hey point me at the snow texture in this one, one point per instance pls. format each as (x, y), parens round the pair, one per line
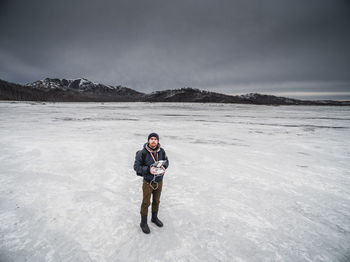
(245, 182)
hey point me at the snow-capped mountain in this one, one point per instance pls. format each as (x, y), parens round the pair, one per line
(83, 90)
(64, 84)
(82, 85)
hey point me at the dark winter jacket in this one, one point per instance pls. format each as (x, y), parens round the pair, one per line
(143, 161)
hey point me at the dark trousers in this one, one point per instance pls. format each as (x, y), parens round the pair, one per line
(147, 192)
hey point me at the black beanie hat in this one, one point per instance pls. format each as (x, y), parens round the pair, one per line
(153, 134)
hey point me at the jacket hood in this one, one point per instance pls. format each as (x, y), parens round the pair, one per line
(150, 149)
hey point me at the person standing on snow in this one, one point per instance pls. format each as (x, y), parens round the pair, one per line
(152, 182)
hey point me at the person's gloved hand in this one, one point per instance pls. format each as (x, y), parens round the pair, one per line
(152, 170)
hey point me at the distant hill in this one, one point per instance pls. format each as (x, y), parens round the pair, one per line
(83, 90)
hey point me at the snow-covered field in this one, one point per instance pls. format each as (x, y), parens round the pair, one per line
(244, 183)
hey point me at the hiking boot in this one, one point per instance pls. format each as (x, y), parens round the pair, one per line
(155, 219)
(144, 225)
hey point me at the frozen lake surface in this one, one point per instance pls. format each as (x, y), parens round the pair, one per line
(244, 183)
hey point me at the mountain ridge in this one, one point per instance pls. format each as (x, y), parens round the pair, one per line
(84, 90)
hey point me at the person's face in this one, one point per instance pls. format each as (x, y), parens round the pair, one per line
(153, 141)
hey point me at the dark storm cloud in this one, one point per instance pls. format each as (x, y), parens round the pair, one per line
(226, 46)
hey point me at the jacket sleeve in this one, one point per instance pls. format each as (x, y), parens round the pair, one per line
(139, 166)
(167, 162)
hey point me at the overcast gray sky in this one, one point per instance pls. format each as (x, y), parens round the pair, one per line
(293, 48)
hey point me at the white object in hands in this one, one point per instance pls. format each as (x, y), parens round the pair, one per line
(158, 167)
